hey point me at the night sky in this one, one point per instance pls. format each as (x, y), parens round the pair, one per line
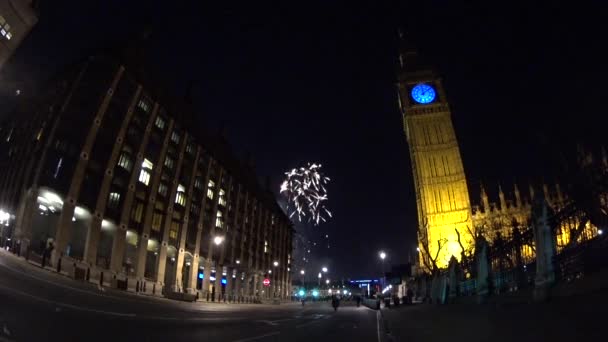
(315, 82)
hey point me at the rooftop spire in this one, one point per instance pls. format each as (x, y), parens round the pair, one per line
(501, 196)
(410, 61)
(517, 195)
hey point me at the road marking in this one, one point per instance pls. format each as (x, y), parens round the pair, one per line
(378, 324)
(257, 337)
(65, 305)
(275, 322)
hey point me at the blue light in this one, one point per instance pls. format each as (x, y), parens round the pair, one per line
(315, 293)
(224, 281)
(201, 276)
(423, 93)
(301, 293)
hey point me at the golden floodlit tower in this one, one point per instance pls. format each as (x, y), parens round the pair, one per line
(442, 197)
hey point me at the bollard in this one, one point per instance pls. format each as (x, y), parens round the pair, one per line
(154, 288)
(59, 265)
(144, 285)
(137, 287)
(88, 276)
(100, 278)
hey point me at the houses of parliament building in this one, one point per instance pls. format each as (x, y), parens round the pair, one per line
(447, 218)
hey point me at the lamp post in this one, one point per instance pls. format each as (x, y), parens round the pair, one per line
(319, 276)
(302, 277)
(382, 257)
(274, 278)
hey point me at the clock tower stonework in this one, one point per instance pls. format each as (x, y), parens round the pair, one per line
(442, 196)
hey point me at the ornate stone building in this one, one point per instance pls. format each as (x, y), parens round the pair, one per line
(122, 182)
(442, 196)
(17, 18)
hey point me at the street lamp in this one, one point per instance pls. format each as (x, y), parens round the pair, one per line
(276, 263)
(319, 276)
(324, 269)
(218, 240)
(382, 256)
(302, 272)
(327, 281)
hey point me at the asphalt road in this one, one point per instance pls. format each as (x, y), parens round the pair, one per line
(38, 305)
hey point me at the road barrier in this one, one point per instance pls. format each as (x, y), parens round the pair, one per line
(372, 303)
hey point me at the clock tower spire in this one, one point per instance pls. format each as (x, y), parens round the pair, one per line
(442, 196)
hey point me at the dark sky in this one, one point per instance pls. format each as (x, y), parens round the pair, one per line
(314, 81)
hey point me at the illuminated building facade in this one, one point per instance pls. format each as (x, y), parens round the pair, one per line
(514, 210)
(442, 196)
(121, 181)
(17, 18)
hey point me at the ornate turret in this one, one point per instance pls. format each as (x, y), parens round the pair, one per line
(560, 196)
(501, 196)
(485, 203)
(517, 195)
(531, 190)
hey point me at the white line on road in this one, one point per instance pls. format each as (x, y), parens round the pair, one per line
(257, 337)
(378, 324)
(65, 305)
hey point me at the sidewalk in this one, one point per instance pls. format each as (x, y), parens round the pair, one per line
(65, 278)
(563, 319)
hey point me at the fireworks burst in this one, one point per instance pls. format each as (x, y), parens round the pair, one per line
(305, 190)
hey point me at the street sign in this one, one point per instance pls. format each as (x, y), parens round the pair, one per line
(266, 282)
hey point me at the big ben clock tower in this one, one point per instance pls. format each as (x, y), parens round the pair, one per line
(442, 197)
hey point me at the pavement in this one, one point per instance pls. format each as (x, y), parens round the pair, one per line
(36, 304)
(576, 318)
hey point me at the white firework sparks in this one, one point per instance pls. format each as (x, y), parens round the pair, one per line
(305, 190)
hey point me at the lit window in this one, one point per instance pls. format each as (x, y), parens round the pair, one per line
(218, 219)
(113, 200)
(144, 104)
(222, 199)
(125, 162)
(175, 137)
(144, 177)
(162, 189)
(210, 189)
(180, 197)
(157, 220)
(5, 28)
(174, 229)
(160, 122)
(169, 162)
(147, 164)
(137, 212)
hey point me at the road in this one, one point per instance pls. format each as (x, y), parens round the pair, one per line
(36, 304)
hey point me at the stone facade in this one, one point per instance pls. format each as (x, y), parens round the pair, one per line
(120, 181)
(442, 196)
(17, 18)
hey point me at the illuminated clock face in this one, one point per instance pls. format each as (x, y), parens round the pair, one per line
(423, 93)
